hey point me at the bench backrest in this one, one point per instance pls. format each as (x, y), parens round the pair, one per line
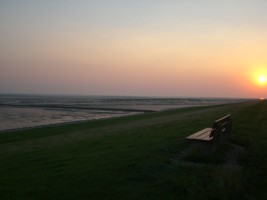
(222, 127)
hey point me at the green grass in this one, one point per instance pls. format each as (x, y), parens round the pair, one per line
(132, 158)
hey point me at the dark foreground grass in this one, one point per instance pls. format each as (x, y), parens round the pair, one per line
(134, 158)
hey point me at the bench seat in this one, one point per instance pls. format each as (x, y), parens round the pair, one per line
(204, 134)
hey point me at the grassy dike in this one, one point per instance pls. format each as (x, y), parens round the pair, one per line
(134, 158)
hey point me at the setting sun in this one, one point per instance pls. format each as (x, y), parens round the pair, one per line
(262, 79)
(260, 76)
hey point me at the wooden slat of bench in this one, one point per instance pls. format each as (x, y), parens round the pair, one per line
(201, 135)
(198, 133)
(205, 136)
(225, 118)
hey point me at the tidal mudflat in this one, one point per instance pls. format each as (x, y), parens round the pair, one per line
(25, 111)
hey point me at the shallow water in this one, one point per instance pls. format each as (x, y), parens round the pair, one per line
(22, 117)
(30, 111)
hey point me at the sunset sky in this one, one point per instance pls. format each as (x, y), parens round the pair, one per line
(171, 48)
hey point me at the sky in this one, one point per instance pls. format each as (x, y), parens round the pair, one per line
(169, 48)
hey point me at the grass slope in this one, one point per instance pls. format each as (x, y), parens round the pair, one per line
(132, 158)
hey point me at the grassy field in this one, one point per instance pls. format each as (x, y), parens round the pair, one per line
(135, 158)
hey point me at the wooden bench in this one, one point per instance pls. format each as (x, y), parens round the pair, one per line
(211, 138)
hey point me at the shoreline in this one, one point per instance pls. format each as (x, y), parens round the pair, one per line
(76, 107)
(134, 112)
(63, 123)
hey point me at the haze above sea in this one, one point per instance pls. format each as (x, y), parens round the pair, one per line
(27, 111)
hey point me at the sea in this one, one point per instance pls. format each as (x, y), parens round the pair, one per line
(27, 111)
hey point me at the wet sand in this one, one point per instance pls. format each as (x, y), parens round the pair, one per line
(26, 117)
(17, 112)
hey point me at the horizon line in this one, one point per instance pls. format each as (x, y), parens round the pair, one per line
(126, 96)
